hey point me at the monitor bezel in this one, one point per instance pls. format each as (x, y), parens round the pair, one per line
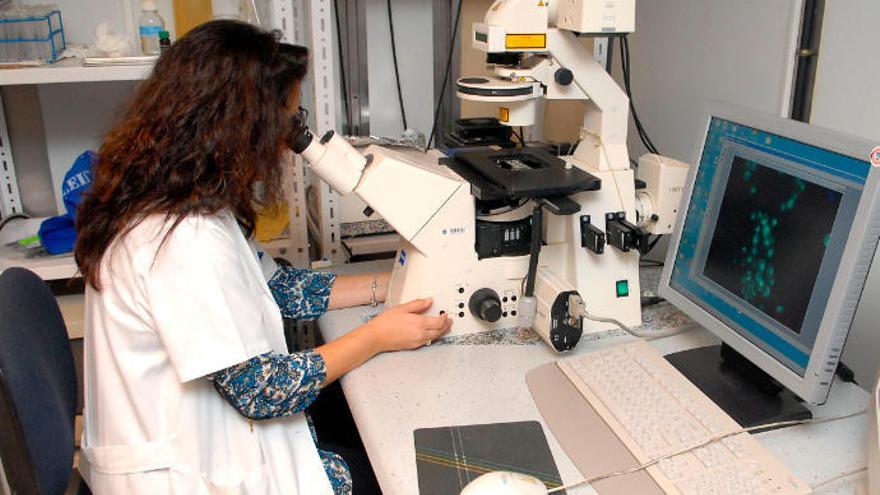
(850, 278)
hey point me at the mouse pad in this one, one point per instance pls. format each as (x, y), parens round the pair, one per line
(450, 457)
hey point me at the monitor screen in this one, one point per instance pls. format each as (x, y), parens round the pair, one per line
(770, 239)
(766, 226)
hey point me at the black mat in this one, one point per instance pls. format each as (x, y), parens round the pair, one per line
(448, 458)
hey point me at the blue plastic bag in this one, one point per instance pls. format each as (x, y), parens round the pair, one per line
(58, 234)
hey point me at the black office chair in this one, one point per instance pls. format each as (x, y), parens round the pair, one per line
(37, 387)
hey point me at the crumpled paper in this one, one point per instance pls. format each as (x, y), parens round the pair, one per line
(110, 44)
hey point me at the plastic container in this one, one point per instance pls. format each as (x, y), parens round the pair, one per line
(31, 33)
(150, 26)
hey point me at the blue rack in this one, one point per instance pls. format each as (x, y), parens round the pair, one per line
(45, 41)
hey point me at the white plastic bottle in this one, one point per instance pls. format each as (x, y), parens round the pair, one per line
(150, 27)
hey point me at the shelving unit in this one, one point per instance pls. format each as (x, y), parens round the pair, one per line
(290, 16)
(73, 71)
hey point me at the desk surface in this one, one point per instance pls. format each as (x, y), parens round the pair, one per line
(460, 381)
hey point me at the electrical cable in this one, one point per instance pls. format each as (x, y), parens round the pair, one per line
(520, 136)
(632, 331)
(653, 244)
(715, 439)
(396, 68)
(10, 218)
(535, 250)
(625, 65)
(839, 477)
(342, 67)
(651, 264)
(446, 75)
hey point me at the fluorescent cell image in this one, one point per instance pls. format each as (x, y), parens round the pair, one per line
(759, 251)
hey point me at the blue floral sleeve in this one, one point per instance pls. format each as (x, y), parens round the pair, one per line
(337, 470)
(273, 385)
(301, 294)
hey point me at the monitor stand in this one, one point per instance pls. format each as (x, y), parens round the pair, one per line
(745, 392)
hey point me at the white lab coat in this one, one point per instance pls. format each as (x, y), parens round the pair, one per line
(152, 423)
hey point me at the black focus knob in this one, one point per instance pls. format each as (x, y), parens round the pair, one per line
(485, 305)
(563, 76)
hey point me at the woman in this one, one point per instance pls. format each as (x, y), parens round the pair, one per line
(189, 386)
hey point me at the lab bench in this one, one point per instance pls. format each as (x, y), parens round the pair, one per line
(480, 379)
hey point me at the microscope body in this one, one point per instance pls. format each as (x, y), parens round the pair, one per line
(433, 210)
(474, 261)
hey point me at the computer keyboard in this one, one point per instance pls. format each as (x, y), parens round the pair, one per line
(656, 411)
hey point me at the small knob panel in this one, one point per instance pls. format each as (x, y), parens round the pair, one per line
(485, 305)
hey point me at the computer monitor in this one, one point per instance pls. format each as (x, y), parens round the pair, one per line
(778, 228)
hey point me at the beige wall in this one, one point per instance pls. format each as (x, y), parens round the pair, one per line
(562, 119)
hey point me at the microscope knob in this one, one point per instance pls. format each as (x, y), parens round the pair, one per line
(485, 305)
(563, 76)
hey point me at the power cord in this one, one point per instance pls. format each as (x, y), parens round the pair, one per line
(396, 68)
(839, 477)
(342, 66)
(624, 62)
(715, 439)
(446, 74)
(521, 136)
(632, 331)
(15, 216)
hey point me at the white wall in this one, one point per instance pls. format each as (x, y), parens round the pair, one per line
(686, 53)
(413, 32)
(847, 98)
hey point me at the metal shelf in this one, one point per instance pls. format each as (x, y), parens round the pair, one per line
(49, 268)
(72, 71)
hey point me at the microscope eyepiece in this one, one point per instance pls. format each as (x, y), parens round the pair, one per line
(301, 141)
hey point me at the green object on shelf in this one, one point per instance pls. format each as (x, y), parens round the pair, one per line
(29, 241)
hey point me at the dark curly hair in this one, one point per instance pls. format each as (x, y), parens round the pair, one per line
(208, 125)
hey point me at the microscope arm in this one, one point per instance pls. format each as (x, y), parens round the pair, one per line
(408, 194)
(603, 136)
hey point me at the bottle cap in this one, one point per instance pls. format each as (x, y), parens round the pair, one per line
(164, 35)
(149, 5)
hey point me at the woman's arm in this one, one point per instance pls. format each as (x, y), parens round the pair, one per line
(306, 295)
(273, 385)
(357, 290)
(301, 294)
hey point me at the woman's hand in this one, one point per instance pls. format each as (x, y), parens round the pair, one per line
(398, 328)
(405, 327)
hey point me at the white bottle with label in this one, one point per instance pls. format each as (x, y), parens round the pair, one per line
(150, 27)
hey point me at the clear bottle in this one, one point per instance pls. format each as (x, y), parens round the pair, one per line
(150, 27)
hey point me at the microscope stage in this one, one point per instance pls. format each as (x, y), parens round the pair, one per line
(520, 173)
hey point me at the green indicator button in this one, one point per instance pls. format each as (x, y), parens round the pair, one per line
(622, 288)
